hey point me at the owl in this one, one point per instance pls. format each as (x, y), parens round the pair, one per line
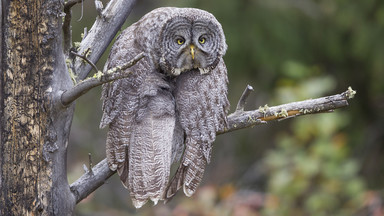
(170, 107)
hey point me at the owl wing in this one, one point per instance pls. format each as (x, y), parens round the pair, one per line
(140, 113)
(202, 105)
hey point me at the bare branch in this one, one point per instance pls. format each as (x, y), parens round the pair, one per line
(82, 11)
(67, 32)
(88, 183)
(243, 98)
(90, 164)
(84, 57)
(100, 78)
(238, 120)
(99, 7)
(102, 32)
(85, 32)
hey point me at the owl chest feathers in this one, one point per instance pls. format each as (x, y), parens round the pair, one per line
(159, 93)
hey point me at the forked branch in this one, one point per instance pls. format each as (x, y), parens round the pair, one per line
(102, 32)
(244, 119)
(87, 183)
(91, 180)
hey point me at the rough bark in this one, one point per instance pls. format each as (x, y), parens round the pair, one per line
(34, 127)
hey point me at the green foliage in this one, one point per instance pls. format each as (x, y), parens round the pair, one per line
(311, 173)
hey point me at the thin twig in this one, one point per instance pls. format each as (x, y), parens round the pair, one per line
(85, 185)
(130, 63)
(102, 33)
(67, 32)
(90, 164)
(84, 57)
(100, 78)
(99, 8)
(85, 168)
(85, 32)
(70, 3)
(243, 98)
(82, 10)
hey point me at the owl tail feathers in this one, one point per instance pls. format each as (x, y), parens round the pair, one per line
(123, 171)
(188, 177)
(138, 201)
(175, 184)
(193, 176)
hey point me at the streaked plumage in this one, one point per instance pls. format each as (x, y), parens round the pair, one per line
(173, 103)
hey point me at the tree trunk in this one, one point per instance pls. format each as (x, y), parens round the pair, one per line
(34, 125)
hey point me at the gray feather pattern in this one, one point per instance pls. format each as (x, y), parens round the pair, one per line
(202, 113)
(167, 108)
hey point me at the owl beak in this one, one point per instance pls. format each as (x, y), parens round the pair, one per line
(192, 47)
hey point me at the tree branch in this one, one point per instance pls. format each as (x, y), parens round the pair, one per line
(244, 119)
(89, 182)
(67, 32)
(84, 57)
(240, 119)
(102, 32)
(243, 98)
(100, 78)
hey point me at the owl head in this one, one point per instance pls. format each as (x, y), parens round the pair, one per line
(191, 39)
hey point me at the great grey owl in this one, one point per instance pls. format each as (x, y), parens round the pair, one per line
(172, 105)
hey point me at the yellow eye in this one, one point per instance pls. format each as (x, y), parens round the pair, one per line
(202, 40)
(180, 41)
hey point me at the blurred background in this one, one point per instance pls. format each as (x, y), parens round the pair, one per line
(288, 50)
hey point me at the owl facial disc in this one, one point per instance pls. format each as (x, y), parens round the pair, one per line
(187, 44)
